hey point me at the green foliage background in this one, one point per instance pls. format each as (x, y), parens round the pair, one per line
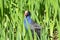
(44, 12)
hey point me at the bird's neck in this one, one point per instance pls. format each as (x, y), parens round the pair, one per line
(29, 19)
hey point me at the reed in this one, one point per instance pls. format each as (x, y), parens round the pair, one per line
(44, 12)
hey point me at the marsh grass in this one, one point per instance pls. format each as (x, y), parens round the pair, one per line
(44, 12)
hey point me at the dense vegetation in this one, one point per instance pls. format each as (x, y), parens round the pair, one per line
(44, 12)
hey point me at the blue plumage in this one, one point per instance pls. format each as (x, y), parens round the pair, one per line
(27, 19)
(33, 25)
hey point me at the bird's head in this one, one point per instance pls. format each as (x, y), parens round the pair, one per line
(27, 13)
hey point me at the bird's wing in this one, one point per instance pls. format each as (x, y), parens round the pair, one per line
(35, 26)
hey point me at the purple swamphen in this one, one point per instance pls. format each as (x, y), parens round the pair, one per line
(33, 25)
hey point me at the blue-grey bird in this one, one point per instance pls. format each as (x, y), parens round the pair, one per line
(33, 25)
